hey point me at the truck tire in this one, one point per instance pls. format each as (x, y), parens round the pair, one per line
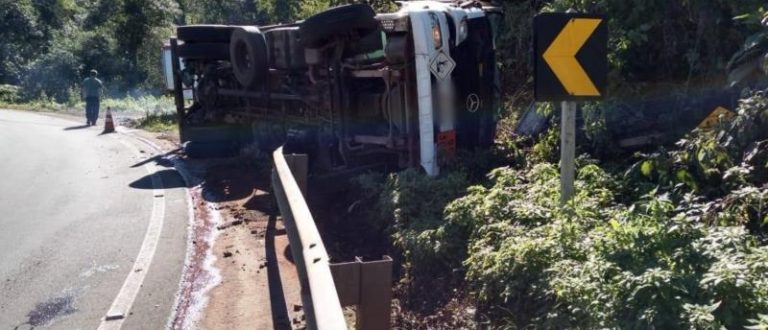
(318, 29)
(202, 150)
(204, 51)
(248, 54)
(204, 33)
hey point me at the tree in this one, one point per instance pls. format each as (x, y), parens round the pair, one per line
(21, 38)
(136, 27)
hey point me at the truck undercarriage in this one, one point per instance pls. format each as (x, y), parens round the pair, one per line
(347, 86)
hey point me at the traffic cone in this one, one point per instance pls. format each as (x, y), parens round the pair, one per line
(109, 125)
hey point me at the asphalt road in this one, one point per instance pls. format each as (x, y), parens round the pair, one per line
(75, 208)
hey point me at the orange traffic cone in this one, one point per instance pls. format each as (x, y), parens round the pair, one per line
(109, 125)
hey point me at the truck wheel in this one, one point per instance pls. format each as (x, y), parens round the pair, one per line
(248, 52)
(204, 51)
(316, 30)
(204, 33)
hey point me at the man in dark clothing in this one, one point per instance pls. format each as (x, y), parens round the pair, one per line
(92, 92)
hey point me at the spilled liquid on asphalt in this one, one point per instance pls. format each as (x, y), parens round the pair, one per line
(47, 311)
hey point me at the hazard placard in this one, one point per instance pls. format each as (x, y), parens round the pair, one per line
(442, 65)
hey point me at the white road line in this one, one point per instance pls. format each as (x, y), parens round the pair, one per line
(122, 304)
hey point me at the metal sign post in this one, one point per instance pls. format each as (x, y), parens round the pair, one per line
(567, 151)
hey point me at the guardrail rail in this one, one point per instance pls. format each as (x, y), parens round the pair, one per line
(326, 288)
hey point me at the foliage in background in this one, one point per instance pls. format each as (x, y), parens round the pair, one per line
(655, 47)
(50, 45)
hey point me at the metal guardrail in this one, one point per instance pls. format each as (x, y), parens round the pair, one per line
(318, 292)
(326, 287)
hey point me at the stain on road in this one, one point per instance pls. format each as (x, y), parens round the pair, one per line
(45, 312)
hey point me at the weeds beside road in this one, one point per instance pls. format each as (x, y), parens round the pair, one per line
(150, 113)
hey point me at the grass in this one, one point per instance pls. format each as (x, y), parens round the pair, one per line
(158, 122)
(159, 112)
(142, 104)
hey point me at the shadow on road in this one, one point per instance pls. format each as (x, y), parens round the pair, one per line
(159, 159)
(280, 319)
(72, 128)
(170, 178)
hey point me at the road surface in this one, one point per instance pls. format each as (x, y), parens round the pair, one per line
(77, 210)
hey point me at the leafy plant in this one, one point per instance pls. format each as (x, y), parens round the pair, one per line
(727, 165)
(9, 93)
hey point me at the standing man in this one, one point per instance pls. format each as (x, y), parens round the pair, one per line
(92, 91)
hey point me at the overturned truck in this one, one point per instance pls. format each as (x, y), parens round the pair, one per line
(349, 87)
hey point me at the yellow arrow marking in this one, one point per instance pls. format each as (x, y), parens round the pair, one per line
(561, 56)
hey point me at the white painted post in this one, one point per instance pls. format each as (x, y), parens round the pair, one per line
(567, 151)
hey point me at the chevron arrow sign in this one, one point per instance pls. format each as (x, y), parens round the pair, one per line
(570, 57)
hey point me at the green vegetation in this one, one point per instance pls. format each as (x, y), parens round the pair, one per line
(158, 122)
(676, 241)
(143, 104)
(49, 46)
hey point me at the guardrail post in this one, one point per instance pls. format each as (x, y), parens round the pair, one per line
(367, 284)
(373, 312)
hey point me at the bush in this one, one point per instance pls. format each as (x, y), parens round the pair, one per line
(407, 209)
(417, 201)
(728, 165)
(9, 93)
(676, 241)
(598, 264)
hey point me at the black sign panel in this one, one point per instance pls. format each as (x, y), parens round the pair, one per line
(570, 57)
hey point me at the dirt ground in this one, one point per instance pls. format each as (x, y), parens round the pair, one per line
(259, 285)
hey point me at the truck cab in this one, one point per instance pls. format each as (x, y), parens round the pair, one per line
(347, 86)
